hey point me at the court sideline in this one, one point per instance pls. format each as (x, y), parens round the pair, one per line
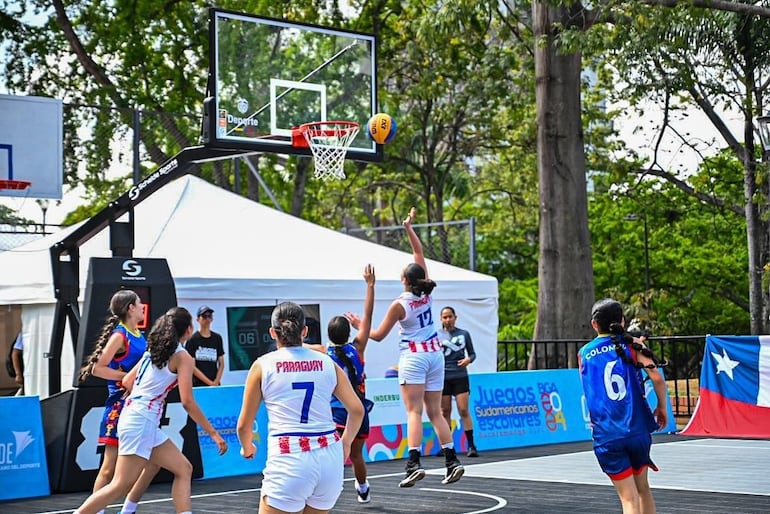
(698, 475)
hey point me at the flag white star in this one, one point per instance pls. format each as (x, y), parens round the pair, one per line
(724, 363)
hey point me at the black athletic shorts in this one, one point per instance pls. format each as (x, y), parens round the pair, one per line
(455, 386)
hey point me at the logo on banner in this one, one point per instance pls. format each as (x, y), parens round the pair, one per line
(132, 270)
(507, 410)
(12, 448)
(550, 401)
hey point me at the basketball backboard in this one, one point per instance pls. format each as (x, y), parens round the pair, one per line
(268, 75)
(31, 145)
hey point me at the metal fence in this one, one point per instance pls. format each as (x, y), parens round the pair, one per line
(684, 355)
(452, 242)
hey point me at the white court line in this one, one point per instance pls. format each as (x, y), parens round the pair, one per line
(501, 502)
(718, 467)
(370, 477)
(161, 500)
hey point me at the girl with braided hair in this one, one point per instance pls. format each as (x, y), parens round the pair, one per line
(305, 454)
(622, 423)
(118, 348)
(350, 357)
(164, 365)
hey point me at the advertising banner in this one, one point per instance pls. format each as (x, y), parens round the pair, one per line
(23, 468)
(222, 406)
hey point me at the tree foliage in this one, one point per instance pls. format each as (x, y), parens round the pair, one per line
(459, 77)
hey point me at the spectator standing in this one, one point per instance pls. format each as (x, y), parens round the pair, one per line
(208, 350)
(458, 353)
(17, 359)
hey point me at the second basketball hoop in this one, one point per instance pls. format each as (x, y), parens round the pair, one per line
(329, 142)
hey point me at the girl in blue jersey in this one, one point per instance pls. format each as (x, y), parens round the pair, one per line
(163, 366)
(350, 357)
(118, 348)
(611, 373)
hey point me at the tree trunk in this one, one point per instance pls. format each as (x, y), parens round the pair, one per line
(565, 273)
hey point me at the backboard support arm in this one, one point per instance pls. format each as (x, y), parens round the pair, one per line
(65, 254)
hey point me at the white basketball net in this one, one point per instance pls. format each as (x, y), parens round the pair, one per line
(329, 142)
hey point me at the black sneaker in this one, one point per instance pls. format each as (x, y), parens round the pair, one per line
(440, 453)
(472, 452)
(454, 470)
(364, 497)
(414, 471)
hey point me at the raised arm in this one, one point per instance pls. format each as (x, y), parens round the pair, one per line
(414, 241)
(395, 313)
(364, 325)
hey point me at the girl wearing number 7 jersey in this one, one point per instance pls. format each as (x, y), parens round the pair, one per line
(305, 453)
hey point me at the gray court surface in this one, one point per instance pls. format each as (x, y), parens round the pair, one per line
(697, 475)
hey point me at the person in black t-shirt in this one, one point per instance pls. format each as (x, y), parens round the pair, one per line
(458, 353)
(207, 349)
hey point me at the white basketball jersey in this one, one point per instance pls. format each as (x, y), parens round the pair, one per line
(416, 329)
(151, 387)
(297, 387)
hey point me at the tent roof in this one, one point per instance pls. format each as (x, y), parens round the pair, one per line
(210, 235)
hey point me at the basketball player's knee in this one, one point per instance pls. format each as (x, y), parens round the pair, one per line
(107, 471)
(184, 470)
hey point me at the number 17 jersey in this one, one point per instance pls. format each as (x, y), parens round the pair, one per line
(297, 387)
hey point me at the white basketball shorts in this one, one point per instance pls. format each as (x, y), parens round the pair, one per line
(313, 478)
(422, 368)
(138, 435)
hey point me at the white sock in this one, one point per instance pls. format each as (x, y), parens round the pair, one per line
(129, 506)
(100, 512)
(362, 488)
(186, 512)
(451, 446)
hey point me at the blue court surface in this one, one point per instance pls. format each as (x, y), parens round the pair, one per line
(697, 475)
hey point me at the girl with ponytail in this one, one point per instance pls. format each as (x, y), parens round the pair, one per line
(350, 357)
(421, 362)
(611, 373)
(306, 455)
(118, 348)
(164, 365)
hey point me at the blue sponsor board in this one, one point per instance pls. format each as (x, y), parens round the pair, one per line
(221, 405)
(527, 408)
(23, 467)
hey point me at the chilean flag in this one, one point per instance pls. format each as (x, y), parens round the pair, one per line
(734, 388)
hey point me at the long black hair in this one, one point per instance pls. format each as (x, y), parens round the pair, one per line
(608, 314)
(415, 279)
(338, 330)
(119, 304)
(165, 334)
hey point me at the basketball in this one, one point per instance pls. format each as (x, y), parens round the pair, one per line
(381, 128)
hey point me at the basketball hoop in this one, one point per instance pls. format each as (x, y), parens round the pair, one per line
(15, 185)
(329, 142)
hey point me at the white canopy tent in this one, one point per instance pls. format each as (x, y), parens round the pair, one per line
(227, 251)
